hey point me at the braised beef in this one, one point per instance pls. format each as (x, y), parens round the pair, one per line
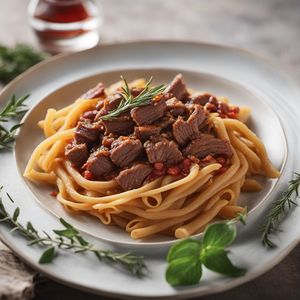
(176, 107)
(87, 132)
(149, 113)
(99, 163)
(125, 150)
(183, 131)
(135, 91)
(95, 92)
(178, 88)
(122, 125)
(163, 150)
(165, 123)
(145, 132)
(133, 177)
(90, 115)
(77, 154)
(207, 144)
(109, 104)
(202, 99)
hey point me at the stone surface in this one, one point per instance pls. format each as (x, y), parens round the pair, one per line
(268, 27)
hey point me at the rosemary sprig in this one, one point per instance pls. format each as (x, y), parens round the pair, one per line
(68, 239)
(286, 201)
(14, 61)
(15, 107)
(128, 101)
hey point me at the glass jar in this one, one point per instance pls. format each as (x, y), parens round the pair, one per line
(65, 25)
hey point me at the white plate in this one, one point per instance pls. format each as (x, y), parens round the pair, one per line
(241, 76)
(31, 135)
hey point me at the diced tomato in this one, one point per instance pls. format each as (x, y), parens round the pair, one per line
(87, 175)
(173, 171)
(53, 194)
(232, 115)
(159, 166)
(221, 160)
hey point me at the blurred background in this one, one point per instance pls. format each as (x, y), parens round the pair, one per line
(267, 27)
(270, 28)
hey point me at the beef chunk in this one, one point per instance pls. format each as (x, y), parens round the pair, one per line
(122, 125)
(149, 113)
(176, 107)
(178, 88)
(162, 150)
(207, 144)
(125, 150)
(202, 99)
(133, 177)
(183, 131)
(109, 104)
(146, 132)
(87, 132)
(77, 154)
(99, 163)
(95, 92)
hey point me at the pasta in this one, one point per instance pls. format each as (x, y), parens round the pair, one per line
(180, 204)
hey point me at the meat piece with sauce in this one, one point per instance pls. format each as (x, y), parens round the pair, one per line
(176, 107)
(87, 132)
(95, 92)
(177, 88)
(99, 163)
(122, 125)
(77, 154)
(146, 132)
(149, 113)
(207, 144)
(183, 131)
(162, 150)
(134, 176)
(125, 150)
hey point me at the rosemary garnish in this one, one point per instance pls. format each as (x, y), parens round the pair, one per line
(68, 239)
(128, 101)
(14, 61)
(286, 201)
(14, 108)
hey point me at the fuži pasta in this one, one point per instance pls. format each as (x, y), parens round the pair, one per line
(151, 160)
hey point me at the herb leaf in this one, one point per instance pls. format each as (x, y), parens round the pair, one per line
(186, 257)
(184, 271)
(14, 61)
(128, 101)
(216, 259)
(47, 256)
(280, 206)
(219, 235)
(69, 239)
(188, 247)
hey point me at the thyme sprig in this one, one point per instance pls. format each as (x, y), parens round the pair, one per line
(68, 239)
(15, 107)
(280, 206)
(129, 101)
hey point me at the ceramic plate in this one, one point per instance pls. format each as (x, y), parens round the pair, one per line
(244, 78)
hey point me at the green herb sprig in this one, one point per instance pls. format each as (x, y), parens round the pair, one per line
(280, 206)
(185, 258)
(68, 239)
(14, 61)
(128, 101)
(15, 107)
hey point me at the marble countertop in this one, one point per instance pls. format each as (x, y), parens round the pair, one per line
(270, 28)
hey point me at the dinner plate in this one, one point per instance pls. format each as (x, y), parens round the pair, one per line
(243, 77)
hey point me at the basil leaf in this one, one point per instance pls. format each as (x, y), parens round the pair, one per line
(47, 256)
(184, 271)
(216, 259)
(219, 235)
(184, 248)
